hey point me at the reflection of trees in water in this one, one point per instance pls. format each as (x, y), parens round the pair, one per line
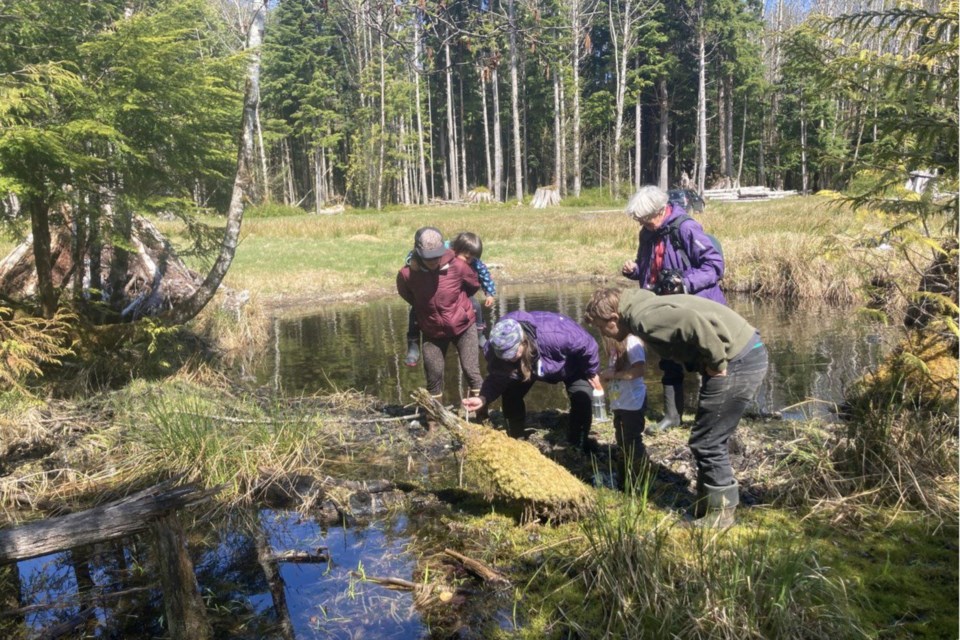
(815, 350)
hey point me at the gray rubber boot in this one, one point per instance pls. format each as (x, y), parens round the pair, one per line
(672, 409)
(721, 506)
(413, 352)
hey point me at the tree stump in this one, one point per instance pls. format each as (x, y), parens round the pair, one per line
(478, 195)
(546, 197)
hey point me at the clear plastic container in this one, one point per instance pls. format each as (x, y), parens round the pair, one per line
(599, 406)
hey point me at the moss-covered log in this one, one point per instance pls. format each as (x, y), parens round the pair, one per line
(513, 470)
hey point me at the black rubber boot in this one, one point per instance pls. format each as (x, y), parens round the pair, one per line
(413, 352)
(721, 505)
(517, 428)
(672, 409)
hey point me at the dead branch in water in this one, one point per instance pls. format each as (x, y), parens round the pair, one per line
(107, 522)
(477, 568)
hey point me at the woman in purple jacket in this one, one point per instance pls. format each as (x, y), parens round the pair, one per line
(674, 256)
(540, 345)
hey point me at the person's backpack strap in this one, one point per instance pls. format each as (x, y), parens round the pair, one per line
(673, 229)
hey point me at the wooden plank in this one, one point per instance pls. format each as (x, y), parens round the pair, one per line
(117, 519)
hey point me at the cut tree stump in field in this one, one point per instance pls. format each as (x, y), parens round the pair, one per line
(546, 197)
(479, 195)
(117, 519)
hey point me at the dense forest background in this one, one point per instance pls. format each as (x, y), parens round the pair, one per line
(371, 104)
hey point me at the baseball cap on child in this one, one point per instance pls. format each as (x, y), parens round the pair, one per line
(505, 338)
(429, 243)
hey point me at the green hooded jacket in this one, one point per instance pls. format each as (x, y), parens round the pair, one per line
(684, 328)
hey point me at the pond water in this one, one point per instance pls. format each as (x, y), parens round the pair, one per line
(815, 350)
(111, 590)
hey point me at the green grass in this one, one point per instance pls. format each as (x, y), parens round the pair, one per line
(796, 247)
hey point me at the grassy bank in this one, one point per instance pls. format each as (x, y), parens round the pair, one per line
(799, 247)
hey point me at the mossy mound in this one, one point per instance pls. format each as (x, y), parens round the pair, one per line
(513, 470)
(922, 371)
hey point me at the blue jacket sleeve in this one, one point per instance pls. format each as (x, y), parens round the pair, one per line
(486, 280)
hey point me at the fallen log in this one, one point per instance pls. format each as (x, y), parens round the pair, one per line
(513, 470)
(117, 519)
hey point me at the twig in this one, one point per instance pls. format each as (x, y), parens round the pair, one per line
(477, 568)
(390, 583)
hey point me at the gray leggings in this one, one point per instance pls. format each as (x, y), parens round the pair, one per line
(434, 354)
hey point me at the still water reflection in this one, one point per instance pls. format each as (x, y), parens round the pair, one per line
(815, 350)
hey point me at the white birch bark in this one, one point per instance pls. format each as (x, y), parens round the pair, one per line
(190, 307)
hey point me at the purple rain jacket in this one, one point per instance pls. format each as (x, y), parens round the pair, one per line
(565, 353)
(706, 263)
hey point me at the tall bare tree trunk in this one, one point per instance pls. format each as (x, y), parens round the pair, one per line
(728, 126)
(638, 144)
(486, 128)
(576, 29)
(722, 132)
(383, 112)
(557, 132)
(515, 102)
(563, 142)
(743, 144)
(241, 184)
(663, 154)
(453, 172)
(775, 106)
(701, 108)
(805, 176)
(462, 141)
(264, 176)
(498, 194)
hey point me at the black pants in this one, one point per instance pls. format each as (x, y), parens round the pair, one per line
(672, 373)
(580, 394)
(723, 399)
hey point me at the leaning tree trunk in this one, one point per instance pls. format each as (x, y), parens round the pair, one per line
(241, 184)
